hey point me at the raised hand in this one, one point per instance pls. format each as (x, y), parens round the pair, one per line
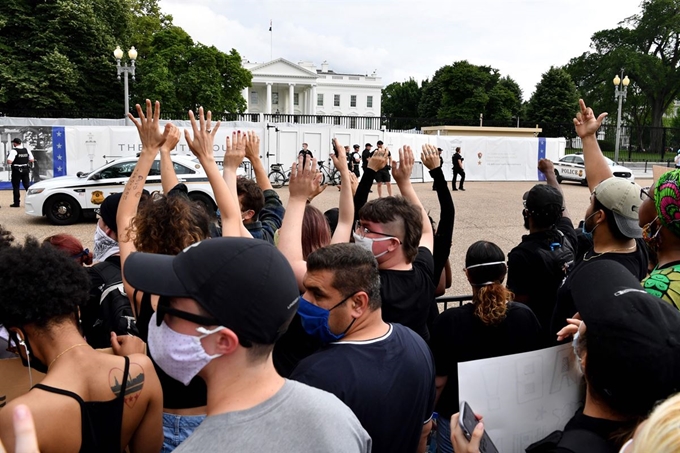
(401, 172)
(304, 179)
(546, 167)
(172, 135)
(585, 122)
(378, 160)
(148, 127)
(236, 150)
(430, 157)
(339, 157)
(252, 146)
(202, 143)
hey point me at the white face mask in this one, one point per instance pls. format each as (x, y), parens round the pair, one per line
(180, 356)
(367, 243)
(104, 246)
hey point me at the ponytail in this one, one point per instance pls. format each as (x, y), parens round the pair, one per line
(491, 303)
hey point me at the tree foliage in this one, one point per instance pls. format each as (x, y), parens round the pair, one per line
(647, 47)
(56, 57)
(554, 103)
(400, 102)
(462, 91)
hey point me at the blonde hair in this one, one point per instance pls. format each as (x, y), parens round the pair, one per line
(661, 432)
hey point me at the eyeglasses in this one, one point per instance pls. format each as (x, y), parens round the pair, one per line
(644, 193)
(197, 319)
(362, 231)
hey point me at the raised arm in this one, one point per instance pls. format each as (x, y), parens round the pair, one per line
(401, 172)
(152, 139)
(303, 182)
(586, 125)
(443, 237)
(233, 157)
(253, 155)
(346, 213)
(546, 167)
(201, 145)
(376, 162)
(168, 175)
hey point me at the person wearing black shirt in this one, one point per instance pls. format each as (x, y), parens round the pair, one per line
(490, 326)
(399, 234)
(383, 371)
(382, 176)
(537, 265)
(305, 153)
(354, 160)
(458, 170)
(365, 155)
(627, 344)
(19, 159)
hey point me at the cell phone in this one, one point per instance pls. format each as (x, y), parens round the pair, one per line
(468, 422)
(333, 147)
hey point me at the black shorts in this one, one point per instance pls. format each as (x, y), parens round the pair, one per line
(382, 176)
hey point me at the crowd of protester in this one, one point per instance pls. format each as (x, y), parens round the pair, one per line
(264, 328)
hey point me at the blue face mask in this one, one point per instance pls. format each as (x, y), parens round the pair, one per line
(589, 234)
(315, 320)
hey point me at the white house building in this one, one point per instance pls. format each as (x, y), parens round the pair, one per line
(280, 86)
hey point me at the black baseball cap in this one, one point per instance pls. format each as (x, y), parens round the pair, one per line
(109, 209)
(245, 284)
(356, 147)
(379, 142)
(368, 144)
(542, 196)
(16, 140)
(632, 338)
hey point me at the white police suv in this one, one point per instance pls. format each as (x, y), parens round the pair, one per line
(571, 168)
(65, 199)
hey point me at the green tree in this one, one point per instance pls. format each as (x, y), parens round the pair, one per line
(399, 102)
(184, 75)
(646, 46)
(462, 91)
(554, 103)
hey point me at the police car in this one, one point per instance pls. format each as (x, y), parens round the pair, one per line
(65, 199)
(572, 168)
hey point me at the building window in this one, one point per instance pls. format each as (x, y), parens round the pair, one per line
(319, 100)
(275, 98)
(369, 102)
(253, 97)
(296, 98)
(336, 100)
(353, 101)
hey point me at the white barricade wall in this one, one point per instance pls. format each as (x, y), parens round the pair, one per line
(66, 147)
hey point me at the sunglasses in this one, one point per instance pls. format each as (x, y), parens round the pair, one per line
(163, 310)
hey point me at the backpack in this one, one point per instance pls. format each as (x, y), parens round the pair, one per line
(115, 311)
(576, 440)
(558, 257)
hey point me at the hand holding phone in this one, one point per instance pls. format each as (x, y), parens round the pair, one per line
(468, 421)
(335, 151)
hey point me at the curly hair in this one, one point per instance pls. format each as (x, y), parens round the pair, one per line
(316, 232)
(490, 296)
(169, 224)
(406, 218)
(72, 246)
(40, 285)
(6, 238)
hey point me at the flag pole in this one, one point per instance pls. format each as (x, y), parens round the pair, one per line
(271, 41)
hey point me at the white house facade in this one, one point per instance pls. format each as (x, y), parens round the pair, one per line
(280, 86)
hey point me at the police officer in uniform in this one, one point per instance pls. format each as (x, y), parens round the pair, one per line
(19, 158)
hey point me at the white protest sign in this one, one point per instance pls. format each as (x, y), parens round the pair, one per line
(522, 397)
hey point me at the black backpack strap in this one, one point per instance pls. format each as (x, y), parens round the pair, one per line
(109, 273)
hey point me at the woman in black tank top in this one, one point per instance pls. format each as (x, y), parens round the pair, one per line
(88, 401)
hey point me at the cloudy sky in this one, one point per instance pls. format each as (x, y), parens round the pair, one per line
(402, 39)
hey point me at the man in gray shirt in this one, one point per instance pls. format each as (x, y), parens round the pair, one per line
(217, 319)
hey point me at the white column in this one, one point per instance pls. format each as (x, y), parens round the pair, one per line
(313, 109)
(291, 98)
(268, 106)
(246, 96)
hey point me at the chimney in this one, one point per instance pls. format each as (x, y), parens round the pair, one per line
(324, 66)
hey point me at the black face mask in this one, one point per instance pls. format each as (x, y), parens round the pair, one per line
(30, 360)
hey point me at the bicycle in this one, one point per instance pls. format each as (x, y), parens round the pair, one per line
(278, 177)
